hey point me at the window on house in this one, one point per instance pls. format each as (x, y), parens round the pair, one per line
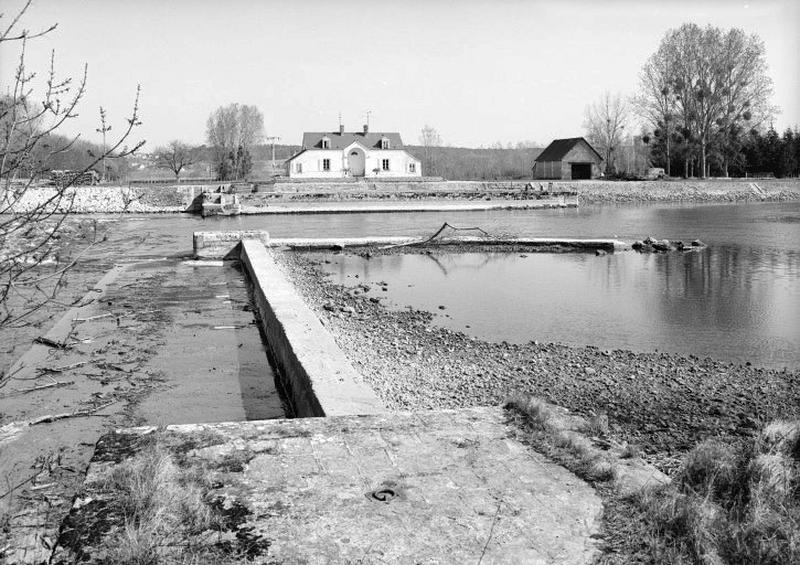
(412, 167)
(326, 143)
(326, 164)
(385, 164)
(384, 143)
(298, 167)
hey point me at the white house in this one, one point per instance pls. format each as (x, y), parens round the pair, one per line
(327, 155)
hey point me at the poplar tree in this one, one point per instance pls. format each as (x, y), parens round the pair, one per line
(702, 89)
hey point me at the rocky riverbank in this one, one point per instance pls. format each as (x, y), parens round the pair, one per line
(721, 190)
(663, 403)
(257, 198)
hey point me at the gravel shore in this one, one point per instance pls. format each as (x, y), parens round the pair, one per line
(663, 403)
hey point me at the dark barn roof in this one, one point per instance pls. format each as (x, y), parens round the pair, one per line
(313, 139)
(558, 149)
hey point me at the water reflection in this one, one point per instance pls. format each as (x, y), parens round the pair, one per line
(718, 302)
(737, 300)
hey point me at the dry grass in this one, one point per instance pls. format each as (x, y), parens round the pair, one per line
(567, 447)
(736, 505)
(727, 504)
(166, 518)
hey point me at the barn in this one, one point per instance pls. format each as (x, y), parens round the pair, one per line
(568, 159)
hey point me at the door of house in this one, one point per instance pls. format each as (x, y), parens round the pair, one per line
(356, 162)
(581, 171)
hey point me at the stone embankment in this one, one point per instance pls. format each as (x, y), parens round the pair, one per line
(259, 198)
(664, 403)
(720, 190)
(110, 199)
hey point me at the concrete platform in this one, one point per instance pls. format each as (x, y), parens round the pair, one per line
(216, 245)
(429, 487)
(400, 206)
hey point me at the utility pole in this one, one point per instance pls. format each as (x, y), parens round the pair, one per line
(273, 139)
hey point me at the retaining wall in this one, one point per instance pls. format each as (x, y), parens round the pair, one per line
(185, 198)
(319, 379)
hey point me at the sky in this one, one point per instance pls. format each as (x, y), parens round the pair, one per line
(479, 71)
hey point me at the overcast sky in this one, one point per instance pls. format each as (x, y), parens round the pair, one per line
(479, 71)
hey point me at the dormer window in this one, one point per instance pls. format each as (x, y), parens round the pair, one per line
(326, 142)
(384, 143)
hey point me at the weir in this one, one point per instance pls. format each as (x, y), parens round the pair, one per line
(348, 486)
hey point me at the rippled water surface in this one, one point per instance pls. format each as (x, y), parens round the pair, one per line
(739, 299)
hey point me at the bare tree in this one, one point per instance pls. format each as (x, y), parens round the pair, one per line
(175, 156)
(428, 138)
(32, 216)
(605, 123)
(232, 131)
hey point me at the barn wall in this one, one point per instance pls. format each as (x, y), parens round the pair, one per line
(580, 154)
(547, 170)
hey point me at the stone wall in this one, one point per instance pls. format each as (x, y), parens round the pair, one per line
(112, 199)
(732, 190)
(185, 198)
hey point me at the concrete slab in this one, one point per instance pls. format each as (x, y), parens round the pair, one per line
(153, 342)
(429, 487)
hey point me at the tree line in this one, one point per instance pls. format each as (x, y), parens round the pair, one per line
(704, 102)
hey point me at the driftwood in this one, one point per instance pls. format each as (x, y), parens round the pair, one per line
(50, 343)
(42, 487)
(90, 318)
(19, 484)
(62, 368)
(40, 387)
(435, 235)
(111, 366)
(55, 417)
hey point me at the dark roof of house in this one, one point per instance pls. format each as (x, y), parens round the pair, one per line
(313, 139)
(560, 147)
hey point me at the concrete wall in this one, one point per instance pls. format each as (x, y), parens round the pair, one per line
(216, 244)
(318, 378)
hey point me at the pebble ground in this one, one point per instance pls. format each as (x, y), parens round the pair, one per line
(663, 403)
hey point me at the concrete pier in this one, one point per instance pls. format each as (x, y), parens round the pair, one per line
(215, 245)
(319, 379)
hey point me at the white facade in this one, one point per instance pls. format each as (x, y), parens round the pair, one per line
(355, 160)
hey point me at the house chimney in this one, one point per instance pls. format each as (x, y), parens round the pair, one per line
(341, 129)
(366, 128)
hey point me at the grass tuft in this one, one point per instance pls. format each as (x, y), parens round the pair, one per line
(732, 504)
(165, 515)
(736, 504)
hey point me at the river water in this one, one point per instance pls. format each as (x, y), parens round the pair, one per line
(738, 300)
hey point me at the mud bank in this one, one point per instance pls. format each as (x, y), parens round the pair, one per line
(663, 403)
